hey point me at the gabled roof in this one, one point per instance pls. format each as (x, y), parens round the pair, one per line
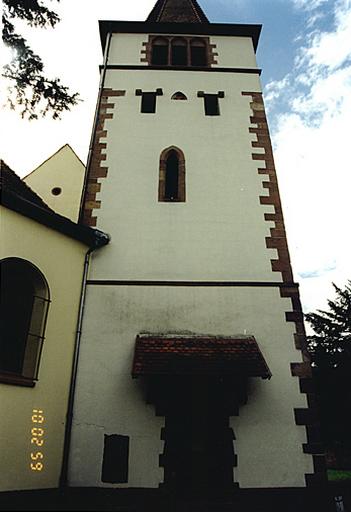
(10, 182)
(177, 11)
(167, 354)
(17, 196)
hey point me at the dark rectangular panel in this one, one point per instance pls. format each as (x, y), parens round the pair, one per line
(211, 105)
(148, 103)
(115, 460)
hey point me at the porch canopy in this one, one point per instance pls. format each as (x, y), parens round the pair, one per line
(167, 354)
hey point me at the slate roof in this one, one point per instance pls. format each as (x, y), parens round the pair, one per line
(10, 182)
(17, 196)
(157, 354)
(177, 11)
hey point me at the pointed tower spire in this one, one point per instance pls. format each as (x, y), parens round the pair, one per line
(177, 11)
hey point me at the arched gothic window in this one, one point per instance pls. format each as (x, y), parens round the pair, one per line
(23, 310)
(179, 52)
(178, 96)
(198, 52)
(172, 176)
(159, 55)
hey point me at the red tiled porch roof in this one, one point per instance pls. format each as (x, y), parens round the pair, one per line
(157, 354)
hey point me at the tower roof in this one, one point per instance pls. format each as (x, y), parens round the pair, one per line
(177, 11)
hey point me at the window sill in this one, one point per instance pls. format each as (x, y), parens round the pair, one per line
(16, 380)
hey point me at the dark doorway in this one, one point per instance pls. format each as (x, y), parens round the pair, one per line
(198, 454)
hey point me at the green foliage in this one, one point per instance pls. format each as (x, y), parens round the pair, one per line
(31, 90)
(331, 343)
(336, 475)
(330, 349)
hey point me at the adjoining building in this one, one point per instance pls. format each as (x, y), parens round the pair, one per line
(59, 182)
(43, 262)
(193, 375)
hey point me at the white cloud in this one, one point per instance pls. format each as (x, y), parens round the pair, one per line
(312, 140)
(309, 5)
(274, 89)
(332, 49)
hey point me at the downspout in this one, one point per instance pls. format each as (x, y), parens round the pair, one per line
(100, 240)
(95, 122)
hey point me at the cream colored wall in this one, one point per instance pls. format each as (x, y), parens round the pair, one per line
(63, 170)
(125, 49)
(60, 259)
(108, 401)
(219, 232)
(234, 54)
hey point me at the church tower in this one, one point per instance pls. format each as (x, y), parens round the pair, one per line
(193, 374)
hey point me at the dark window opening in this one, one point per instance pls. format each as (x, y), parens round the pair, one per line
(179, 96)
(211, 105)
(172, 177)
(23, 310)
(159, 55)
(56, 191)
(179, 53)
(148, 102)
(198, 53)
(115, 459)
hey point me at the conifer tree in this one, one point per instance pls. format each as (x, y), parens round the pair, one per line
(330, 348)
(331, 343)
(31, 91)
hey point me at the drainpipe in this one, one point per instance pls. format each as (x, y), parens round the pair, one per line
(101, 239)
(96, 118)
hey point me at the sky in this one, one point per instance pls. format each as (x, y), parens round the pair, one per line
(305, 55)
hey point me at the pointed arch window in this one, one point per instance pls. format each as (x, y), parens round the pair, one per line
(178, 96)
(172, 176)
(23, 311)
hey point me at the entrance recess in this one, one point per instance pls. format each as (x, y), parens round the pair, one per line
(198, 452)
(197, 382)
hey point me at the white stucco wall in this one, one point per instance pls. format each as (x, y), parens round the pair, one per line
(53, 254)
(109, 401)
(233, 52)
(217, 234)
(62, 170)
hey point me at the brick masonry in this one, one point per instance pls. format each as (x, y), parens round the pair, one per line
(98, 170)
(308, 416)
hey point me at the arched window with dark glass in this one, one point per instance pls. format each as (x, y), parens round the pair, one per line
(198, 52)
(172, 175)
(179, 52)
(159, 55)
(24, 304)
